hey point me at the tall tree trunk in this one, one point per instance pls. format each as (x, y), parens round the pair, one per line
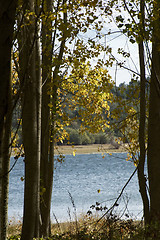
(142, 127)
(142, 124)
(48, 118)
(154, 135)
(7, 19)
(39, 106)
(5, 167)
(30, 79)
(29, 129)
(46, 121)
(154, 125)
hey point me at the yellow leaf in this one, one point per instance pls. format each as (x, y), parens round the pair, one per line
(74, 153)
(50, 105)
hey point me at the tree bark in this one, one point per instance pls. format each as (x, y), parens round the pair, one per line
(154, 126)
(30, 79)
(5, 168)
(48, 117)
(7, 19)
(154, 135)
(39, 106)
(142, 128)
(142, 121)
(46, 121)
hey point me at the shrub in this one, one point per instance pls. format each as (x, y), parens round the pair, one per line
(74, 136)
(85, 139)
(101, 138)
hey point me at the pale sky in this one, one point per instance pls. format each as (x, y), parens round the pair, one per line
(115, 41)
(132, 62)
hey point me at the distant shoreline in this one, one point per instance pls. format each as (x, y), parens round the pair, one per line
(84, 149)
(89, 149)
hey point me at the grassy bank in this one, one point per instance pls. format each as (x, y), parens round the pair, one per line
(87, 228)
(83, 149)
(88, 149)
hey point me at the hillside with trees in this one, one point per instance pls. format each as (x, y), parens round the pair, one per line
(129, 93)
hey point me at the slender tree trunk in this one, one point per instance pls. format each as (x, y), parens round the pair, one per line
(39, 106)
(142, 128)
(154, 127)
(48, 119)
(29, 130)
(5, 167)
(30, 79)
(142, 121)
(154, 135)
(7, 19)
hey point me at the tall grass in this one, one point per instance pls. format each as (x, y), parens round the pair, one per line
(86, 228)
(89, 226)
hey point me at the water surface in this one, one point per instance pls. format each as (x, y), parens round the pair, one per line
(82, 176)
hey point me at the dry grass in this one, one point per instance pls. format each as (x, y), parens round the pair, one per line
(83, 149)
(88, 149)
(87, 227)
(14, 228)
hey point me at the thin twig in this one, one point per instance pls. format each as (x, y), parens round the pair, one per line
(115, 203)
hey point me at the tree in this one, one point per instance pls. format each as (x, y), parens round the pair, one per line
(142, 120)
(7, 20)
(46, 166)
(61, 22)
(49, 113)
(143, 31)
(30, 78)
(154, 125)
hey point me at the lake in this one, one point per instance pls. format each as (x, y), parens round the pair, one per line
(79, 178)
